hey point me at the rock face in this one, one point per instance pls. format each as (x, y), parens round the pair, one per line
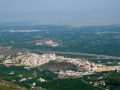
(1, 56)
(46, 42)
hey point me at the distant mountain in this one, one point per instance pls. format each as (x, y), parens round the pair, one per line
(29, 25)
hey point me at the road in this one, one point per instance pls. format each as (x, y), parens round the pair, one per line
(82, 54)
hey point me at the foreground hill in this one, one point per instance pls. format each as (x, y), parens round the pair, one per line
(5, 85)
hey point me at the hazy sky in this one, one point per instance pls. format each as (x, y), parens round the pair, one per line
(76, 12)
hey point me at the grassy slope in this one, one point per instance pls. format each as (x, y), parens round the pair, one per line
(5, 85)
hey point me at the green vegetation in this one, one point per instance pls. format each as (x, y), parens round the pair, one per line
(97, 40)
(111, 79)
(68, 84)
(104, 40)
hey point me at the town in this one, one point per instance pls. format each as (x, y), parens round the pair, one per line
(83, 66)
